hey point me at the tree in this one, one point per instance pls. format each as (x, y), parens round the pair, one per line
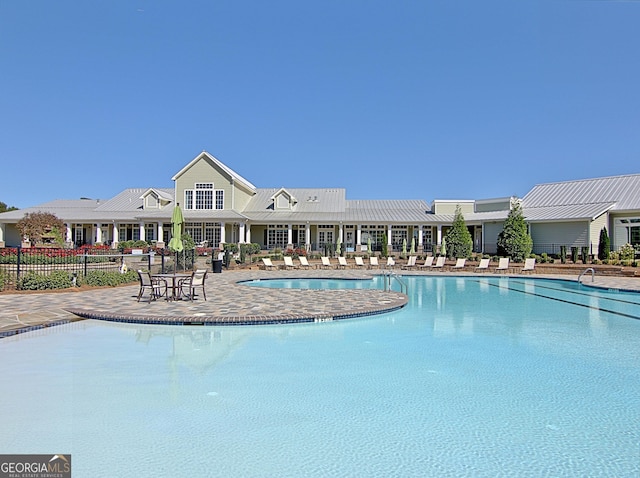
(604, 245)
(35, 225)
(515, 241)
(458, 238)
(5, 208)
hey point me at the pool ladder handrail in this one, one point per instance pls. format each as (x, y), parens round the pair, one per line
(404, 289)
(588, 269)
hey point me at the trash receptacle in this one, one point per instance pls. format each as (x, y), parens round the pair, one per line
(217, 266)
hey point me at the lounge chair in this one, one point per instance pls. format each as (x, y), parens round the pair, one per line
(288, 263)
(428, 262)
(390, 262)
(359, 261)
(483, 266)
(440, 261)
(304, 263)
(326, 263)
(460, 262)
(529, 265)
(342, 262)
(156, 287)
(373, 262)
(503, 265)
(196, 281)
(268, 264)
(411, 263)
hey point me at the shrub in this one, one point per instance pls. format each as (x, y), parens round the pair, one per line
(574, 254)
(604, 245)
(108, 278)
(627, 252)
(458, 238)
(55, 280)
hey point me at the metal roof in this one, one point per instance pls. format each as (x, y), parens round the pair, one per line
(310, 201)
(409, 211)
(624, 191)
(569, 212)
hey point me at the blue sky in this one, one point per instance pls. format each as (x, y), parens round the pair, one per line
(414, 99)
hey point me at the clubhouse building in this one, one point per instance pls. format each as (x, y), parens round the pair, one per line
(220, 206)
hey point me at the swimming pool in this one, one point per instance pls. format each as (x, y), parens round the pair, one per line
(478, 376)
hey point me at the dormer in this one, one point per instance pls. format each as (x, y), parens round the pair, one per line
(155, 199)
(283, 200)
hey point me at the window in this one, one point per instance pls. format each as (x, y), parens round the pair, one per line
(150, 232)
(188, 199)
(219, 199)
(203, 196)
(194, 229)
(212, 233)
(277, 236)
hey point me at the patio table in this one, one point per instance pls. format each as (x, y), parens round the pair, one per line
(174, 281)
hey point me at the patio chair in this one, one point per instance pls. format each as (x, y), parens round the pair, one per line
(196, 281)
(326, 263)
(288, 263)
(460, 262)
(503, 265)
(359, 261)
(373, 262)
(156, 287)
(390, 262)
(483, 266)
(428, 262)
(440, 261)
(529, 265)
(304, 263)
(266, 261)
(342, 262)
(411, 262)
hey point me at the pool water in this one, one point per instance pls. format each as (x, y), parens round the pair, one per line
(475, 377)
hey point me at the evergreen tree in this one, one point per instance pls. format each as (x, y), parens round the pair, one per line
(514, 239)
(604, 246)
(459, 241)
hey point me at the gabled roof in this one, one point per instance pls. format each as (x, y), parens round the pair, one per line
(624, 191)
(235, 176)
(130, 200)
(162, 194)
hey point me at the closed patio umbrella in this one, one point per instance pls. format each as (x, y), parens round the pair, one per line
(177, 221)
(443, 247)
(413, 246)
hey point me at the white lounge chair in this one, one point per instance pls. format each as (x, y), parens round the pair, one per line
(268, 264)
(411, 262)
(390, 262)
(342, 262)
(373, 262)
(503, 265)
(440, 261)
(359, 261)
(529, 265)
(304, 263)
(428, 262)
(460, 262)
(288, 263)
(483, 266)
(326, 263)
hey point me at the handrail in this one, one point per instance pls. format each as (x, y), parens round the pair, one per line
(404, 289)
(593, 273)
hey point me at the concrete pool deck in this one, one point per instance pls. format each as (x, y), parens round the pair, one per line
(229, 301)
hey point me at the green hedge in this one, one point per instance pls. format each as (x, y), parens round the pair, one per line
(64, 280)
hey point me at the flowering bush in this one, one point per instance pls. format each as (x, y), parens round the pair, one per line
(627, 252)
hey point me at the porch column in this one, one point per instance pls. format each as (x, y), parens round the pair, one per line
(141, 227)
(420, 243)
(68, 233)
(160, 238)
(222, 235)
(116, 236)
(439, 237)
(307, 236)
(389, 234)
(340, 234)
(241, 233)
(248, 233)
(358, 238)
(99, 232)
(289, 236)
(2, 233)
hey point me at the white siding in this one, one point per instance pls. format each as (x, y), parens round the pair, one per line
(491, 231)
(595, 228)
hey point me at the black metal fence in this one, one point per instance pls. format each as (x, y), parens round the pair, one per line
(15, 262)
